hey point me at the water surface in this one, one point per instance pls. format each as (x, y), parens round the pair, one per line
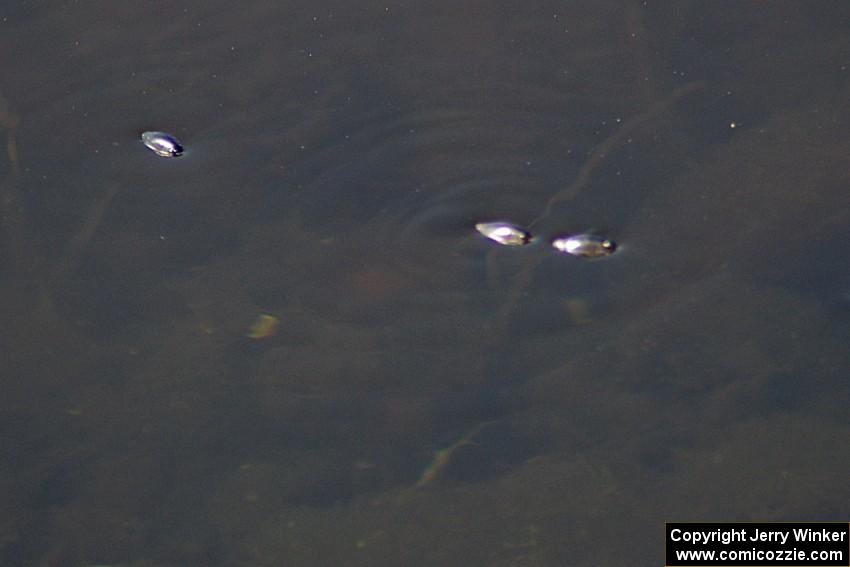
(337, 159)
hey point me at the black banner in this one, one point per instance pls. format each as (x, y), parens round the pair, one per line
(825, 544)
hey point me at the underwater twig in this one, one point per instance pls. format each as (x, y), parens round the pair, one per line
(10, 198)
(14, 218)
(523, 279)
(81, 239)
(602, 150)
(443, 456)
(637, 34)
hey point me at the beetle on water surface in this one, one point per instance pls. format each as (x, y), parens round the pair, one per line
(162, 144)
(504, 233)
(585, 245)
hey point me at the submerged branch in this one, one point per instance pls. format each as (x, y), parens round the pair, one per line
(523, 279)
(602, 150)
(11, 208)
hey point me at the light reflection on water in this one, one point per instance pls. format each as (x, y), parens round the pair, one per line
(336, 162)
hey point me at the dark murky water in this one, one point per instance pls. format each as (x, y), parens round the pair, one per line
(337, 159)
